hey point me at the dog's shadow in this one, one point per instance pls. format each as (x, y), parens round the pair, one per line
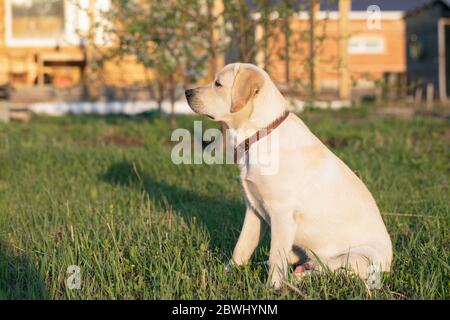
(221, 216)
(19, 277)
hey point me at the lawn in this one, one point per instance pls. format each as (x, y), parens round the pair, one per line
(103, 194)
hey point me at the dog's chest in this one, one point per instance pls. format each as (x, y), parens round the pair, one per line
(256, 189)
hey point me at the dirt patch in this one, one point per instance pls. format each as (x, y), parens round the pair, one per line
(114, 139)
(446, 135)
(121, 140)
(334, 142)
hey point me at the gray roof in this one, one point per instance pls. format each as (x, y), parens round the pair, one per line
(385, 5)
(428, 4)
(361, 5)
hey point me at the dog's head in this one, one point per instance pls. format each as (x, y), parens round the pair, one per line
(230, 96)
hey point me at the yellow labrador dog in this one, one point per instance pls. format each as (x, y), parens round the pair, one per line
(313, 203)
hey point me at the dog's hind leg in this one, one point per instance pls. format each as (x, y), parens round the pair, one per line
(297, 255)
(354, 262)
(361, 260)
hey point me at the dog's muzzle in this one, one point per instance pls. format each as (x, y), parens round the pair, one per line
(190, 97)
(194, 103)
(189, 93)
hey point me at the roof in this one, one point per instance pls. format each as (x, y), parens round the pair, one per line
(385, 5)
(358, 5)
(426, 5)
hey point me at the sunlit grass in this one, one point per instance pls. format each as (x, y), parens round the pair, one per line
(102, 193)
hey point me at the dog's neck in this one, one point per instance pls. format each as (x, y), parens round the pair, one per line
(252, 118)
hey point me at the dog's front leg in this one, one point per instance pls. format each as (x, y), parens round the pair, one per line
(251, 233)
(282, 239)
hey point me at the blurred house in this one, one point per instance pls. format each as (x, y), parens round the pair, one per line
(39, 43)
(376, 46)
(44, 44)
(428, 36)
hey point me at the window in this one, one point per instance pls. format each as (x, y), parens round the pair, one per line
(33, 19)
(47, 23)
(366, 45)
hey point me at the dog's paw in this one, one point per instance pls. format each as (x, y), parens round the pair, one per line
(374, 274)
(276, 281)
(229, 266)
(276, 284)
(307, 273)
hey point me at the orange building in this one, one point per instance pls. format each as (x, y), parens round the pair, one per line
(375, 47)
(38, 45)
(44, 42)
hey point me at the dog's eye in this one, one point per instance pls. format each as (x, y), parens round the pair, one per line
(217, 84)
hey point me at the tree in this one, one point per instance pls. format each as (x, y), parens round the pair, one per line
(243, 17)
(167, 38)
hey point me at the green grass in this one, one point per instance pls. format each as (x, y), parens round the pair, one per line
(102, 193)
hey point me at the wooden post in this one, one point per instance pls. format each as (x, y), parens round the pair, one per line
(219, 32)
(260, 54)
(242, 30)
(391, 88)
(40, 67)
(430, 96)
(216, 25)
(418, 96)
(261, 38)
(90, 85)
(344, 72)
(4, 112)
(442, 60)
(314, 9)
(2, 23)
(287, 38)
(4, 61)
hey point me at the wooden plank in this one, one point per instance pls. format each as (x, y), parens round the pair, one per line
(430, 96)
(260, 54)
(62, 56)
(2, 23)
(442, 60)
(4, 65)
(313, 74)
(218, 9)
(344, 72)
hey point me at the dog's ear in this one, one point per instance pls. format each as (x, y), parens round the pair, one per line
(247, 83)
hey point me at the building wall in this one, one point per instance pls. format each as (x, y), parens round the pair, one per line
(19, 63)
(3, 60)
(364, 67)
(424, 26)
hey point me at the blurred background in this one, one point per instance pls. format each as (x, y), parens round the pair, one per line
(134, 56)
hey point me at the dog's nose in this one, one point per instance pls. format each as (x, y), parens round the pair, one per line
(189, 93)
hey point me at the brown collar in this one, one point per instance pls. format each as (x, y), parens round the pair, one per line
(244, 146)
